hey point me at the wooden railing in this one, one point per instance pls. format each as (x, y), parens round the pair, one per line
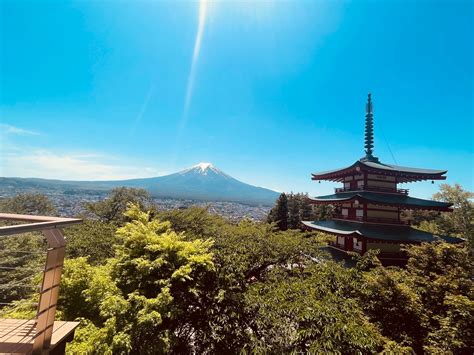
(372, 189)
(35, 336)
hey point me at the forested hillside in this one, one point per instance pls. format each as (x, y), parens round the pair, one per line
(143, 281)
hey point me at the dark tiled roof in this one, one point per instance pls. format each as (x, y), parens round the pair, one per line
(408, 173)
(382, 198)
(403, 169)
(377, 231)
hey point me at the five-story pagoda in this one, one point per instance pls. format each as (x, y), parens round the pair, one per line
(369, 204)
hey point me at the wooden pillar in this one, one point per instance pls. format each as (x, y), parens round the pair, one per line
(49, 290)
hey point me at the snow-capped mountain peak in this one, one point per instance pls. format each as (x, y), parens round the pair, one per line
(202, 169)
(204, 166)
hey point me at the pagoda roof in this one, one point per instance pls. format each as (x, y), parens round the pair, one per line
(404, 174)
(377, 231)
(379, 198)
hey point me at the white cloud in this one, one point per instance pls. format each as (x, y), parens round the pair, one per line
(67, 166)
(9, 129)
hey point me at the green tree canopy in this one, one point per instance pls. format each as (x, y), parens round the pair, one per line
(28, 203)
(461, 221)
(112, 208)
(291, 209)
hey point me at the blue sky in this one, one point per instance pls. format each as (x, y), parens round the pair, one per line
(267, 91)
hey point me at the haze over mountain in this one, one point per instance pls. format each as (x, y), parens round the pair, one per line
(200, 182)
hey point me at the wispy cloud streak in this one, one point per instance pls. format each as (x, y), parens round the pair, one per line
(197, 48)
(9, 129)
(70, 166)
(143, 109)
(203, 4)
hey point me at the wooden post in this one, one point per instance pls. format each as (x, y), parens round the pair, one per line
(49, 290)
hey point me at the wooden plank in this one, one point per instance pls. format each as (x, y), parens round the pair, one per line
(37, 223)
(30, 227)
(31, 218)
(17, 335)
(62, 331)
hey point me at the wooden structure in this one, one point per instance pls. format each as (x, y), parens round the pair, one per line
(369, 204)
(41, 335)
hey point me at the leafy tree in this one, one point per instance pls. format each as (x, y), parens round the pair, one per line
(244, 253)
(22, 257)
(148, 298)
(93, 239)
(310, 311)
(279, 213)
(459, 223)
(298, 209)
(461, 220)
(84, 288)
(294, 217)
(322, 212)
(428, 305)
(393, 305)
(194, 222)
(305, 208)
(112, 209)
(28, 203)
(456, 327)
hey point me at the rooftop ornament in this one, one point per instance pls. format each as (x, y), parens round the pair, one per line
(369, 132)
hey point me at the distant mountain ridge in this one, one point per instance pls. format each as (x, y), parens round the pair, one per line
(202, 182)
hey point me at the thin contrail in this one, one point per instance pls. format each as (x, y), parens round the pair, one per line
(197, 48)
(143, 109)
(192, 74)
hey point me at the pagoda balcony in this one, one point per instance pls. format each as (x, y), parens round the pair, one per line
(380, 220)
(372, 189)
(40, 333)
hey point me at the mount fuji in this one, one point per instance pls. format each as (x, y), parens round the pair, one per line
(202, 182)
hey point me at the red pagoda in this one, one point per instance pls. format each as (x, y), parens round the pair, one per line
(369, 204)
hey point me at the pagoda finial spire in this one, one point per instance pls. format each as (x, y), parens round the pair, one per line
(369, 131)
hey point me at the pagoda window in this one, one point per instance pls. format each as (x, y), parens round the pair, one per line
(345, 212)
(383, 214)
(347, 185)
(383, 184)
(380, 207)
(360, 183)
(357, 244)
(340, 241)
(381, 177)
(360, 213)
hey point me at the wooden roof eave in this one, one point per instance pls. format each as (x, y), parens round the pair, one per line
(364, 200)
(337, 175)
(403, 177)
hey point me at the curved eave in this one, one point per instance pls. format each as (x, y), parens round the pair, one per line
(335, 175)
(411, 203)
(403, 174)
(401, 234)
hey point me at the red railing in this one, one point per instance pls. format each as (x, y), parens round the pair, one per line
(373, 188)
(384, 220)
